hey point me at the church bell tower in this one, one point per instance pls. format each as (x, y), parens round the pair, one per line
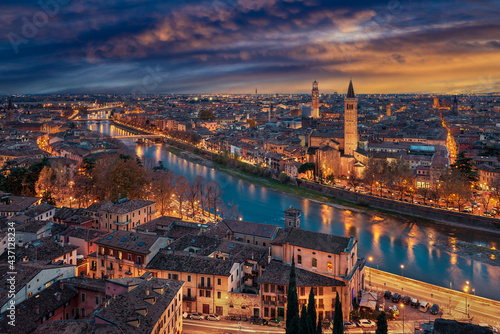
(350, 122)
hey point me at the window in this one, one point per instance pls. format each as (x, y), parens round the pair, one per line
(219, 310)
(320, 291)
(189, 292)
(120, 255)
(266, 287)
(219, 296)
(129, 257)
(97, 300)
(111, 252)
(102, 250)
(139, 259)
(83, 297)
(189, 278)
(201, 293)
(329, 265)
(83, 312)
(208, 293)
(299, 259)
(219, 281)
(302, 291)
(314, 262)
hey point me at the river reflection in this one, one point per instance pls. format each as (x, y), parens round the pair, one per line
(390, 241)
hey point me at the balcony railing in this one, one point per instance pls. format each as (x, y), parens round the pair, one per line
(204, 286)
(191, 298)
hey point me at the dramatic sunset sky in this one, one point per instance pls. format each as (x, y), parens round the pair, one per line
(235, 46)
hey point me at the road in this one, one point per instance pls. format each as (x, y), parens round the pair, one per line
(226, 327)
(451, 302)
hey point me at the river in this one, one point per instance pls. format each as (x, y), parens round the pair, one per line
(421, 247)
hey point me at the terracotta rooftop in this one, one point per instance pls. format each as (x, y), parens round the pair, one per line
(66, 327)
(123, 308)
(38, 210)
(65, 213)
(120, 207)
(84, 233)
(279, 273)
(18, 203)
(247, 228)
(190, 263)
(312, 240)
(44, 249)
(35, 308)
(131, 241)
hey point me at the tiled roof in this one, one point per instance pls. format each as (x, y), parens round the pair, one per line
(190, 263)
(32, 226)
(123, 307)
(120, 207)
(66, 327)
(279, 273)
(44, 249)
(84, 233)
(131, 241)
(38, 210)
(98, 285)
(25, 272)
(248, 228)
(65, 213)
(35, 308)
(18, 203)
(312, 240)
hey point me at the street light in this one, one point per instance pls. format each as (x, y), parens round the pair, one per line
(403, 307)
(466, 290)
(370, 259)
(402, 267)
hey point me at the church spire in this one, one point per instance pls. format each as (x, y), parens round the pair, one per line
(350, 91)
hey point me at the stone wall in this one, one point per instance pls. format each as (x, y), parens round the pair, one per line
(427, 212)
(242, 304)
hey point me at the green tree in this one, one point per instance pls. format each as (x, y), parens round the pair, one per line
(338, 319)
(381, 323)
(465, 166)
(319, 326)
(292, 311)
(311, 310)
(305, 321)
(307, 168)
(128, 179)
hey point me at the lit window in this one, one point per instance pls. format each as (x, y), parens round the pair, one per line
(314, 262)
(329, 266)
(299, 259)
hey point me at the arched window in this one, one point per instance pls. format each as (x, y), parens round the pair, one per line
(329, 266)
(299, 259)
(314, 262)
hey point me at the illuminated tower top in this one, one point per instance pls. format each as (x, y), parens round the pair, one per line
(315, 100)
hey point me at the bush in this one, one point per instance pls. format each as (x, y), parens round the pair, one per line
(283, 177)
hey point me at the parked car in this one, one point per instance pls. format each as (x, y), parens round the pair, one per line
(387, 295)
(348, 324)
(258, 321)
(435, 309)
(213, 317)
(185, 315)
(366, 323)
(196, 316)
(273, 322)
(415, 303)
(424, 306)
(406, 300)
(396, 298)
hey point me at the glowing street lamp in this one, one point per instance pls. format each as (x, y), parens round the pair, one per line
(403, 307)
(466, 290)
(370, 259)
(402, 267)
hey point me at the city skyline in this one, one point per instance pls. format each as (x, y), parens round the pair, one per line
(231, 46)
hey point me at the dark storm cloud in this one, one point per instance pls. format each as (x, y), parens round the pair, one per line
(64, 45)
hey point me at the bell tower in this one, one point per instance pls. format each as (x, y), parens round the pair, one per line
(292, 217)
(315, 100)
(350, 122)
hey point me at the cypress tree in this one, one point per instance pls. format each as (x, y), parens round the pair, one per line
(319, 328)
(338, 321)
(292, 310)
(305, 322)
(311, 309)
(381, 323)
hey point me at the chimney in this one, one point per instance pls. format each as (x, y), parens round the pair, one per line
(147, 292)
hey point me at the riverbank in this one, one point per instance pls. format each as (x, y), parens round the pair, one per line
(319, 197)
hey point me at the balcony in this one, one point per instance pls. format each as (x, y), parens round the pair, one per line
(191, 298)
(204, 286)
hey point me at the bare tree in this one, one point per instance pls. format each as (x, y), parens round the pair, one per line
(162, 188)
(194, 191)
(181, 188)
(214, 195)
